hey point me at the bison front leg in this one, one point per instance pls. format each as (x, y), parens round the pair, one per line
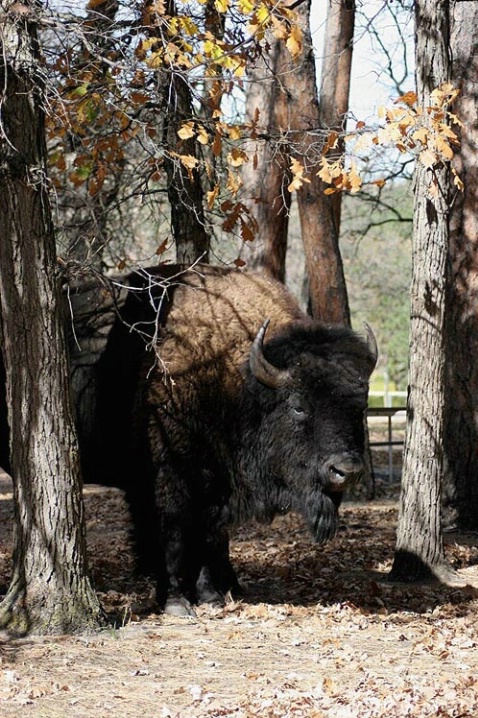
(217, 576)
(175, 591)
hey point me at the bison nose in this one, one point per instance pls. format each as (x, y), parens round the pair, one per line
(343, 471)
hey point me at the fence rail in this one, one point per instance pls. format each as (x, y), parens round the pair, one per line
(392, 415)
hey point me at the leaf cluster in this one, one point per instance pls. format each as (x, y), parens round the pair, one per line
(425, 133)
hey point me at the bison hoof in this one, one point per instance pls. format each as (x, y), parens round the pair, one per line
(179, 606)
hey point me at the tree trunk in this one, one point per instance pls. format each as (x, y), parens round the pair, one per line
(320, 213)
(289, 111)
(419, 550)
(185, 191)
(50, 590)
(266, 175)
(461, 435)
(88, 236)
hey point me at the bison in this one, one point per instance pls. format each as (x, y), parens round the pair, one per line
(245, 407)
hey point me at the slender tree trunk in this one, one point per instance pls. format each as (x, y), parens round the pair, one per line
(320, 213)
(461, 435)
(185, 191)
(419, 550)
(89, 236)
(266, 176)
(50, 590)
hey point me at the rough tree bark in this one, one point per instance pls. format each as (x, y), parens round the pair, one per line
(293, 127)
(266, 176)
(461, 434)
(319, 213)
(419, 550)
(185, 191)
(50, 590)
(88, 230)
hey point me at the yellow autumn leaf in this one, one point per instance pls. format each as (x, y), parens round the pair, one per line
(354, 180)
(245, 6)
(325, 173)
(234, 182)
(330, 170)
(364, 142)
(211, 196)
(447, 88)
(188, 161)
(298, 178)
(187, 131)
(444, 148)
(234, 131)
(262, 14)
(330, 190)
(202, 136)
(237, 157)
(256, 30)
(428, 158)
(189, 27)
(155, 60)
(279, 30)
(221, 5)
(421, 135)
(456, 120)
(294, 41)
(457, 181)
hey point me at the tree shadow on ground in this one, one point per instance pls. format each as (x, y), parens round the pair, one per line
(286, 567)
(277, 564)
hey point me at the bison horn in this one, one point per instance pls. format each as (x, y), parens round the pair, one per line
(265, 372)
(371, 344)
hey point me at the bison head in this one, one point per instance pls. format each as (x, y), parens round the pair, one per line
(310, 384)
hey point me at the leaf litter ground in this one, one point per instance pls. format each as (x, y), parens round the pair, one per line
(320, 632)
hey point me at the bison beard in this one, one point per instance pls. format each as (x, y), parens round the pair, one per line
(231, 426)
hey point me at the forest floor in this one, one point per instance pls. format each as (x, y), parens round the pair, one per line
(320, 633)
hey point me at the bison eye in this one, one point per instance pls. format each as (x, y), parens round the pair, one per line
(299, 412)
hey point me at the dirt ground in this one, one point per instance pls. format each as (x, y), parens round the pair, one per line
(320, 632)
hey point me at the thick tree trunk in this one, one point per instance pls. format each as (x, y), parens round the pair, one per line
(50, 590)
(320, 213)
(289, 113)
(419, 550)
(461, 435)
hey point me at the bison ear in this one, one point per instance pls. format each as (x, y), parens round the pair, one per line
(263, 370)
(371, 345)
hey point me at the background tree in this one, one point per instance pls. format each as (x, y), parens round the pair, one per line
(50, 590)
(266, 176)
(461, 428)
(419, 550)
(320, 211)
(294, 128)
